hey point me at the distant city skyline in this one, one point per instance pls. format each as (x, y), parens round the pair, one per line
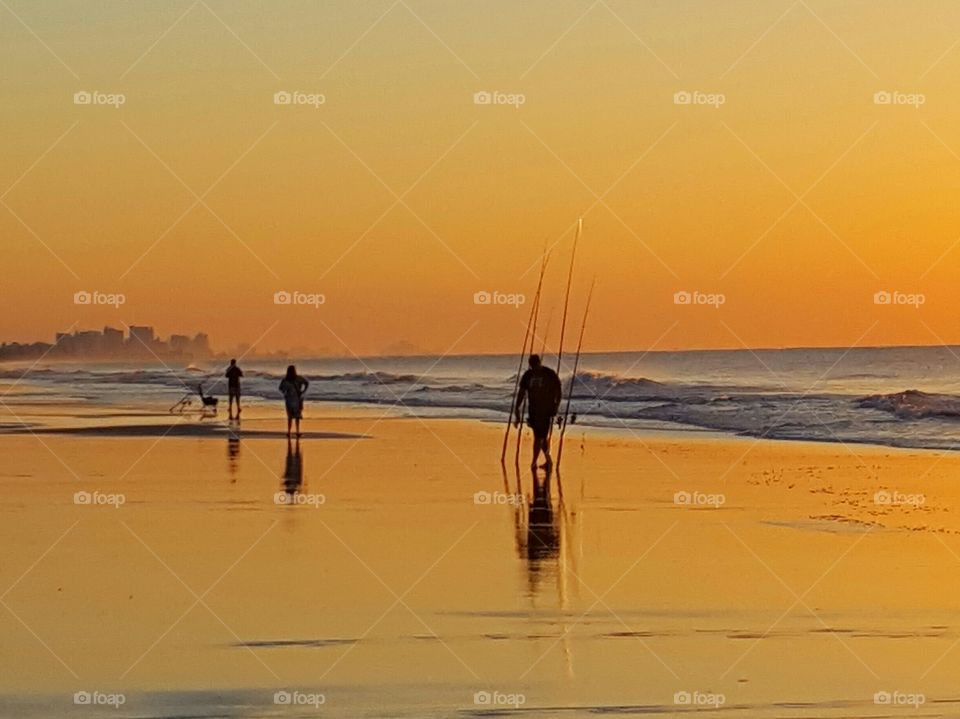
(141, 342)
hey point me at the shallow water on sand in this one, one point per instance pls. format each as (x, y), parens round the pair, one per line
(361, 574)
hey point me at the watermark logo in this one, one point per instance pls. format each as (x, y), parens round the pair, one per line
(899, 699)
(300, 500)
(110, 299)
(496, 498)
(696, 97)
(896, 499)
(99, 699)
(310, 299)
(698, 499)
(296, 97)
(99, 499)
(895, 97)
(110, 99)
(708, 299)
(299, 699)
(899, 299)
(701, 700)
(514, 99)
(509, 299)
(498, 699)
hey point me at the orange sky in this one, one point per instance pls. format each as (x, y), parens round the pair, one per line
(398, 198)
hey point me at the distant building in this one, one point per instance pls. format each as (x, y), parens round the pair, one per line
(112, 342)
(89, 342)
(201, 345)
(140, 335)
(180, 344)
(64, 343)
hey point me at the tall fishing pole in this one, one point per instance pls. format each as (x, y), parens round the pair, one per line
(546, 334)
(523, 352)
(573, 377)
(566, 299)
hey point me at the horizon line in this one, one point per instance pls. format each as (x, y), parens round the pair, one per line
(799, 348)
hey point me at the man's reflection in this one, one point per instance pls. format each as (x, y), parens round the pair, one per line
(233, 448)
(293, 468)
(544, 547)
(542, 536)
(539, 541)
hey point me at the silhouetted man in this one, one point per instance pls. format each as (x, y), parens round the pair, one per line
(541, 387)
(234, 374)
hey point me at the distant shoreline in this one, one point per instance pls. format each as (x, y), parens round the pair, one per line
(285, 357)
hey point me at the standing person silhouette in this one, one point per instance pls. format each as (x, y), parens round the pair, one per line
(541, 387)
(293, 387)
(233, 374)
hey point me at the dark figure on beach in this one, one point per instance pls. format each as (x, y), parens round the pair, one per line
(293, 388)
(233, 374)
(541, 387)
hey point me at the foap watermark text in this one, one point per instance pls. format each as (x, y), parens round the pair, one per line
(109, 99)
(497, 498)
(698, 499)
(296, 97)
(299, 499)
(496, 298)
(513, 99)
(299, 699)
(697, 298)
(899, 699)
(299, 299)
(696, 97)
(895, 97)
(498, 699)
(899, 299)
(698, 699)
(99, 499)
(99, 699)
(896, 499)
(108, 299)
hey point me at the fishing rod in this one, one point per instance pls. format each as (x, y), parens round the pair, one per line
(523, 352)
(546, 334)
(566, 299)
(573, 377)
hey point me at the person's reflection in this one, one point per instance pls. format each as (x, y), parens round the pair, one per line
(543, 546)
(233, 448)
(543, 539)
(293, 469)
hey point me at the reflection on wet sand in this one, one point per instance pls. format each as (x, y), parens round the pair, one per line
(543, 543)
(542, 533)
(293, 468)
(233, 448)
(538, 528)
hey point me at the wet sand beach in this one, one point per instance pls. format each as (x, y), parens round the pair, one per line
(389, 568)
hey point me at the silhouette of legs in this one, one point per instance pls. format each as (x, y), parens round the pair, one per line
(233, 397)
(541, 444)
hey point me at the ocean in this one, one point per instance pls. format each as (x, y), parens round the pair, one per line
(900, 397)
